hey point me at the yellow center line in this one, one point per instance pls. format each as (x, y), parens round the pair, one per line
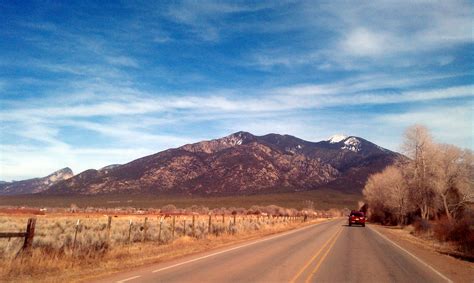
(323, 257)
(314, 257)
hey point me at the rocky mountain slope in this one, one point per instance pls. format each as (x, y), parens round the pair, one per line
(35, 185)
(240, 163)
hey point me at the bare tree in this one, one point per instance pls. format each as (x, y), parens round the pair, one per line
(434, 177)
(398, 193)
(454, 177)
(419, 147)
(388, 191)
(374, 192)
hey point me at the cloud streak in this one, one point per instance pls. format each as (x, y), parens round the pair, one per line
(281, 99)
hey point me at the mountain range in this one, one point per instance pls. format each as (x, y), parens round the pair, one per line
(240, 163)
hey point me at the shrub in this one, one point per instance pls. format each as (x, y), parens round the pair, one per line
(421, 226)
(442, 230)
(460, 232)
(463, 234)
(169, 208)
(255, 209)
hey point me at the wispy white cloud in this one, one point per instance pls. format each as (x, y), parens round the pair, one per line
(206, 19)
(367, 35)
(122, 61)
(455, 127)
(363, 42)
(162, 38)
(281, 99)
(365, 83)
(131, 134)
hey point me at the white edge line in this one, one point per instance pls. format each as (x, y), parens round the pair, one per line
(412, 255)
(128, 279)
(238, 247)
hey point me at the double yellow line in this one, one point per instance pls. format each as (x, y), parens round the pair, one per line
(331, 241)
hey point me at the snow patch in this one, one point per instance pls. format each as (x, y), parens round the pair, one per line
(294, 150)
(233, 141)
(337, 138)
(352, 144)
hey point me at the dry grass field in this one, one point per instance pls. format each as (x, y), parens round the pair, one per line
(83, 245)
(322, 198)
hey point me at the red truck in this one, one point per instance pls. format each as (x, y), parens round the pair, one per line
(357, 217)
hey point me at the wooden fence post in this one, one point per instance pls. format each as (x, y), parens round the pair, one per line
(75, 234)
(109, 224)
(159, 232)
(174, 222)
(145, 229)
(194, 226)
(209, 225)
(130, 230)
(30, 233)
(184, 227)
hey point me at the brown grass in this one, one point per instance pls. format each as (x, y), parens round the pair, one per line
(323, 199)
(93, 255)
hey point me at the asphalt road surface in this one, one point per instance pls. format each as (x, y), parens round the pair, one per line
(325, 252)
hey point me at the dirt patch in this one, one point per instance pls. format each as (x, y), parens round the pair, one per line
(20, 211)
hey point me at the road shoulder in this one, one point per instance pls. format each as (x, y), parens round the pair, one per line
(455, 269)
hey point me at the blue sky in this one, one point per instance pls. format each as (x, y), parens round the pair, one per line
(88, 84)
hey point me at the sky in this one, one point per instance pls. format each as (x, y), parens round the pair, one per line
(87, 84)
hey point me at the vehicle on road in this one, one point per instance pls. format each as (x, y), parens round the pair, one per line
(357, 217)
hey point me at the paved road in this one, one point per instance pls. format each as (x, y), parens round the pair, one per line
(325, 252)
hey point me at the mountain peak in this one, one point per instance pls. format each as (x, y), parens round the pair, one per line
(337, 138)
(36, 185)
(65, 170)
(237, 138)
(59, 175)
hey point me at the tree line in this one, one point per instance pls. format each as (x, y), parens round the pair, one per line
(431, 180)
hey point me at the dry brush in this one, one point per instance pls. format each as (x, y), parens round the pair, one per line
(74, 242)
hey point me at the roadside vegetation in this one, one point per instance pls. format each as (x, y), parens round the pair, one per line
(431, 189)
(89, 244)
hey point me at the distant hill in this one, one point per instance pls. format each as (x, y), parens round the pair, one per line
(240, 163)
(35, 185)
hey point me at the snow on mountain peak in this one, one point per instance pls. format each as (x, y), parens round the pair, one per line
(337, 138)
(352, 144)
(235, 139)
